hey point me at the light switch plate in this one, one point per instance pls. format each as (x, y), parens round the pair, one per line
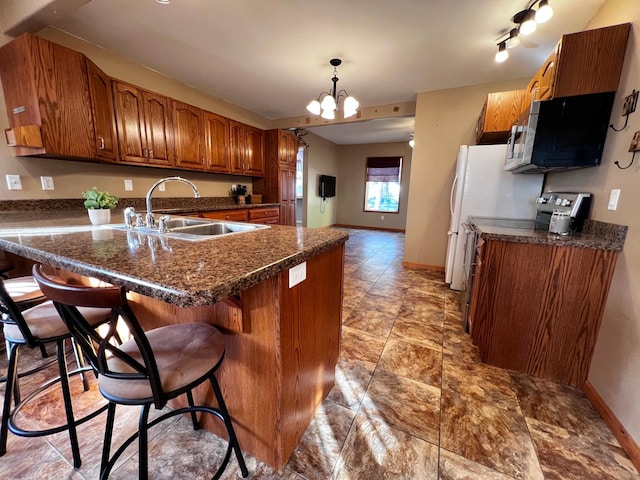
(297, 274)
(14, 182)
(47, 183)
(613, 199)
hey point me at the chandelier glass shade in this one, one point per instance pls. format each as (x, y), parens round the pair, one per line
(328, 102)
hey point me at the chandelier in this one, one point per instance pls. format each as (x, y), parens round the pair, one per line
(328, 102)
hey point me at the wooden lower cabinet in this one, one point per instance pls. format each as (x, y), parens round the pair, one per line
(237, 215)
(265, 215)
(537, 308)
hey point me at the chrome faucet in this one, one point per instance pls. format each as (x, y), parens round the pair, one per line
(151, 221)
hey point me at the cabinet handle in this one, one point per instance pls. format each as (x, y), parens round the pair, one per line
(145, 152)
(151, 153)
(101, 147)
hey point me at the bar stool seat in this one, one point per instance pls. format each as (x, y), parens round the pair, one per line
(24, 290)
(34, 328)
(148, 370)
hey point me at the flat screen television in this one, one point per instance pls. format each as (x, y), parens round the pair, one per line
(327, 186)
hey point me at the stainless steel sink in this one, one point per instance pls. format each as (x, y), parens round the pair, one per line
(196, 229)
(218, 228)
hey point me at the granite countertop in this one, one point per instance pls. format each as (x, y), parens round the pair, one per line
(597, 235)
(180, 272)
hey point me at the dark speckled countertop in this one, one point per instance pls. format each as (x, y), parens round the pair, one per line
(176, 271)
(597, 235)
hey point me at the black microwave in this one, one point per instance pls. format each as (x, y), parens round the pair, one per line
(560, 134)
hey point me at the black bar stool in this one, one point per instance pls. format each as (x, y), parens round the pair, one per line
(33, 328)
(150, 369)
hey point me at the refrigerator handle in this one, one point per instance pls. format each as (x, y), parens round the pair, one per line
(453, 192)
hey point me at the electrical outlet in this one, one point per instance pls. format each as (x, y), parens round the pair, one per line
(14, 182)
(297, 274)
(613, 199)
(47, 183)
(162, 187)
(381, 217)
(128, 185)
(630, 103)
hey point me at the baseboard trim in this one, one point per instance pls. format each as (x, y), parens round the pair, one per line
(422, 266)
(342, 225)
(626, 442)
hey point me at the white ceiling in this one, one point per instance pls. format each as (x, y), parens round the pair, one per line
(272, 56)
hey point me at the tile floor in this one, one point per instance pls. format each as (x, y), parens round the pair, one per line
(411, 401)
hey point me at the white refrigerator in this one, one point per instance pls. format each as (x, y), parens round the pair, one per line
(483, 188)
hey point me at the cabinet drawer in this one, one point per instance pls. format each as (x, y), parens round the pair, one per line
(238, 215)
(267, 221)
(258, 213)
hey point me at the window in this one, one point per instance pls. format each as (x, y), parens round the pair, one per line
(382, 188)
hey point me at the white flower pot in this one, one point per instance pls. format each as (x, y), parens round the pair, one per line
(100, 216)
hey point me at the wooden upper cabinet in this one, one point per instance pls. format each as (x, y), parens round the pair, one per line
(288, 149)
(143, 119)
(546, 76)
(591, 61)
(582, 63)
(255, 151)
(103, 115)
(499, 113)
(246, 149)
(237, 145)
(216, 143)
(188, 131)
(46, 92)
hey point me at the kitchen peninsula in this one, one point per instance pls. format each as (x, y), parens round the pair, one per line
(282, 342)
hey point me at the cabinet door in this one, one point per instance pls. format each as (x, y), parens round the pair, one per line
(237, 215)
(188, 135)
(237, 146)
(287, 149)
(132, 142)
(254, 164)
(546, 76)
(216, 143)
(103, 116)
(287, 197)
(159, 132)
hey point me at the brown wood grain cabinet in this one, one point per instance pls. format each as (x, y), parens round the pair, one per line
(279, 182)
(582, 63)
(499, 113)
(247, 149)
(144, 127)
(537, 308)
(266, 215)
(236, 214)
(46, 91)
(188, 134)
(103, 114)
(216, 143)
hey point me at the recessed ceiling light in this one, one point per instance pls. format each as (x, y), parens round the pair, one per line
(164, 2)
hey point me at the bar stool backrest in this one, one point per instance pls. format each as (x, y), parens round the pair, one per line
(11, 314)
(67, 297)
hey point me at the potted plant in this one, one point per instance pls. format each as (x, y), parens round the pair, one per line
(239, 192)
(99, 205)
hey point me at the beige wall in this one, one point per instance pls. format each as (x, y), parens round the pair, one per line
(321, 158)
(72, 177)
(445, 119)
(351, 172)
(615, 368)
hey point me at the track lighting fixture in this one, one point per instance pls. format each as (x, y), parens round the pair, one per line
(513, 40)
(526, 21)
(502, 54)
(328, 102)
